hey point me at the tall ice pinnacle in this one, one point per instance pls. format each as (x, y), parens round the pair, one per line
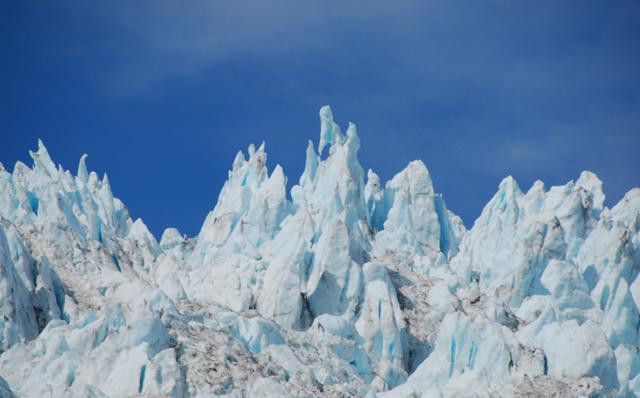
(329, 131)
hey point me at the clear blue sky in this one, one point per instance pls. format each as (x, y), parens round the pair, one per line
(162, 94)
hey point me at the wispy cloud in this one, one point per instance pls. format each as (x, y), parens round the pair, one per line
(151, 41)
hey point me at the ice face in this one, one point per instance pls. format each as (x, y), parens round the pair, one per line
(413, 220)
(354, 287)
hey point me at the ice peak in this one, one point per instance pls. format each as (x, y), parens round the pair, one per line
(631, 194)
(105, 186)
(588, 176)
(42, 161)
(277, 175)
(537, 186)
(415, 178)
(249, 171)
(418, 167)
(259, 158)
(310, 166)
(509, 184)
(372, 186)
(591, 183)
(239, 159)
(83, 174)
(506, 202)
(41, 147)
(249, 209)
(352, 131)
(412, 219)
(329, 131)
(353, 141)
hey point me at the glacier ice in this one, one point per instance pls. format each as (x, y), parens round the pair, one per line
(350, 288)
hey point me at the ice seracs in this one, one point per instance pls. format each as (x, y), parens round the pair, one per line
(416, 220)
(352, 287)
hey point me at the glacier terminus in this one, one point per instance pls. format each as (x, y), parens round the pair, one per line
(344, 286)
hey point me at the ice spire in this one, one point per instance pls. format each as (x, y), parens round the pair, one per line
(310, 166)
(251, 204)
(592, 184)
(105, 186)
(411, 218)
(507, 201)
(83, 174)
(42, 160)
(329, 130)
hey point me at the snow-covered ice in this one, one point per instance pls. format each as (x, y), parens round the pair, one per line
(350, 288)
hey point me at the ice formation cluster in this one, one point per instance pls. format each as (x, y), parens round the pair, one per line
(348, 288)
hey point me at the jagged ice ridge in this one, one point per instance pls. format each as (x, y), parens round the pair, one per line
(351, 288)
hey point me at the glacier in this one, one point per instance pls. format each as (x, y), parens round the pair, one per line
(340, 287)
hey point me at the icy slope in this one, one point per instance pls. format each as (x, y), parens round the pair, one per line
(351, 288)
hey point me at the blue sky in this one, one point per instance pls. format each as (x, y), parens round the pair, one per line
(162, 94)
